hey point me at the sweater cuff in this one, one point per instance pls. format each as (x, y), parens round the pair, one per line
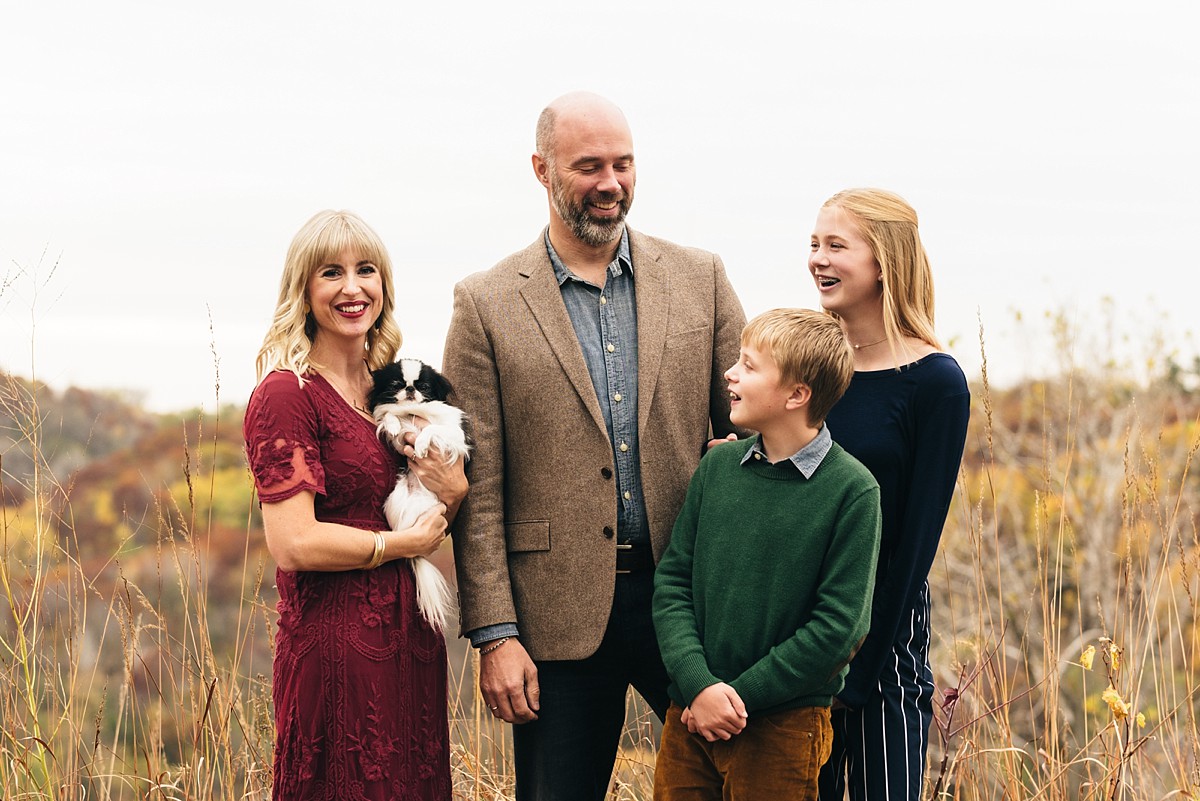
(693, 676)
(751, 692)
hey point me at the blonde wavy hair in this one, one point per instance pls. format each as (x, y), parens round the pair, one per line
(889, 224)
(320, 241)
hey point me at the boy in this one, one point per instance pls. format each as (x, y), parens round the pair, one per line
(764, 592)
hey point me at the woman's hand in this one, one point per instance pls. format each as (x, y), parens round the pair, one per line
(447, 482)
(425, 535)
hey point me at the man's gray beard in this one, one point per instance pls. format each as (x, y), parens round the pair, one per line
(585, 228)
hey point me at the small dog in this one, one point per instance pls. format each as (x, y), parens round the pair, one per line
(404, 391)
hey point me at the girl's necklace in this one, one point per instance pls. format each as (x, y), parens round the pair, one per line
(869, 344)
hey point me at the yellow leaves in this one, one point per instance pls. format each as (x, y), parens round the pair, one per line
(1116, 704)
(1086, 658)
(1111, 696)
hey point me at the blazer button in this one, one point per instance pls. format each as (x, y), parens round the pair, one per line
(608, 532)
(606, 472)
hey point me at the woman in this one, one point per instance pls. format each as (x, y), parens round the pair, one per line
(905, 418)
(360, 677)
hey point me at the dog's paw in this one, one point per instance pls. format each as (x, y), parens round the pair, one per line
(391, 425)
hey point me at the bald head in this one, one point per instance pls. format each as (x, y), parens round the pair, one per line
(585, 109)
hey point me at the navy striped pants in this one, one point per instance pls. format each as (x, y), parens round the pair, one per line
(879, 750)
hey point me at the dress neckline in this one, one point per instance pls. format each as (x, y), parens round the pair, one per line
(904, 368)
(358, 414)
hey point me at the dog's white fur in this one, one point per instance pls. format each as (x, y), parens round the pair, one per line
(410, 499)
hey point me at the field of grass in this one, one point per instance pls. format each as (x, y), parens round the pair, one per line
(136, 608)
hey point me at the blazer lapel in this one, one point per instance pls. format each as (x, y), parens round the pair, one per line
(543, 296)
(653, 287)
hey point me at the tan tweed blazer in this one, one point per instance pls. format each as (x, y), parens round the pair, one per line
(534, 541)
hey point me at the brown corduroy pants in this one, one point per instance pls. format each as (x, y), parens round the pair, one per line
(777, 757)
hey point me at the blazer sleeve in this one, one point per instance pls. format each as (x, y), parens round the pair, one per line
(729, 320)
(480, 554)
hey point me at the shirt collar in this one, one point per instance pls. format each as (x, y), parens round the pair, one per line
(624, 259)
(806, 460)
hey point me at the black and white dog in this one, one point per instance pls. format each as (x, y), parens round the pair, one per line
(404, 391)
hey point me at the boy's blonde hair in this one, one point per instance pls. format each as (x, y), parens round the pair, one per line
(810, 348)
(321, 240)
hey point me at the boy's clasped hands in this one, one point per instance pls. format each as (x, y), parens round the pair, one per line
(717, 713)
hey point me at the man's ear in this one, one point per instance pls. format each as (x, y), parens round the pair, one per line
(541, 168)
(800, 397)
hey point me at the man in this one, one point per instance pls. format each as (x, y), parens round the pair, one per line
(590, 365)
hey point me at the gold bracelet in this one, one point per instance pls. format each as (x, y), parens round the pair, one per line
(377, 554)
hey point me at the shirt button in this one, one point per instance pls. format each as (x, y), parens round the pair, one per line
(758, 456)
(611, 347)
(624, 447)
(608, 532)
(617, 397)
(603, 300)
(627, 496)
(606, 472)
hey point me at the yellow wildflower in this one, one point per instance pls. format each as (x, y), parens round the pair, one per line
(1087, 656)
(1141, 720)
(1119, 708)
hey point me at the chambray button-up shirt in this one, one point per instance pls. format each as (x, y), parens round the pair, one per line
(605, 323)
(806, 460)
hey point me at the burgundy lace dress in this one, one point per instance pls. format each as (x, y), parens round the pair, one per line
(360, 677)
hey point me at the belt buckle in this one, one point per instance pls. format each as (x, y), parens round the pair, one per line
(626, 547)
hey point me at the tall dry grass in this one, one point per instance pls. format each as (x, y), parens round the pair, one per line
(1066, 590)
(1074, 532)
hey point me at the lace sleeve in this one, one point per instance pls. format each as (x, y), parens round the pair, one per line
(282, 442)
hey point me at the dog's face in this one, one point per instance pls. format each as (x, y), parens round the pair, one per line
(409, 380)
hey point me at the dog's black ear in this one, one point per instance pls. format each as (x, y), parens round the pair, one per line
(439, 384)
(383, 391)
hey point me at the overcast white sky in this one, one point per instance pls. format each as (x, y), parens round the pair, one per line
(163, 156)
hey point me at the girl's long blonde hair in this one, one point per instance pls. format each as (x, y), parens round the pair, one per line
(320, 241)
(889, 224)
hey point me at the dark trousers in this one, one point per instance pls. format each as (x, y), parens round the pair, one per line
(568, 753)
(879, 750)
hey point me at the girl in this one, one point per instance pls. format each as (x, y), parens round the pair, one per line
(905, 418)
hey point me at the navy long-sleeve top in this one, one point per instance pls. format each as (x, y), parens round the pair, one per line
(908, 427)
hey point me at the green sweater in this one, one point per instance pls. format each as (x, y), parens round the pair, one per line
(766, 584)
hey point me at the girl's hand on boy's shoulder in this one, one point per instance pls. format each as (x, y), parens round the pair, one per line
(712, 443)
(717, 713)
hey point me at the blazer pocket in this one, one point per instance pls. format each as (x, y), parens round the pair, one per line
(527, 535)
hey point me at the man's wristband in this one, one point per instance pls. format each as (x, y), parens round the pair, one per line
(492, 646)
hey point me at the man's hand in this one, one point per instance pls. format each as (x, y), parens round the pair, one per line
(508, 682)
(712, 443)
(717, 713)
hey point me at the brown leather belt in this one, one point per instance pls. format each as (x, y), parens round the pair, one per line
(634, 558)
